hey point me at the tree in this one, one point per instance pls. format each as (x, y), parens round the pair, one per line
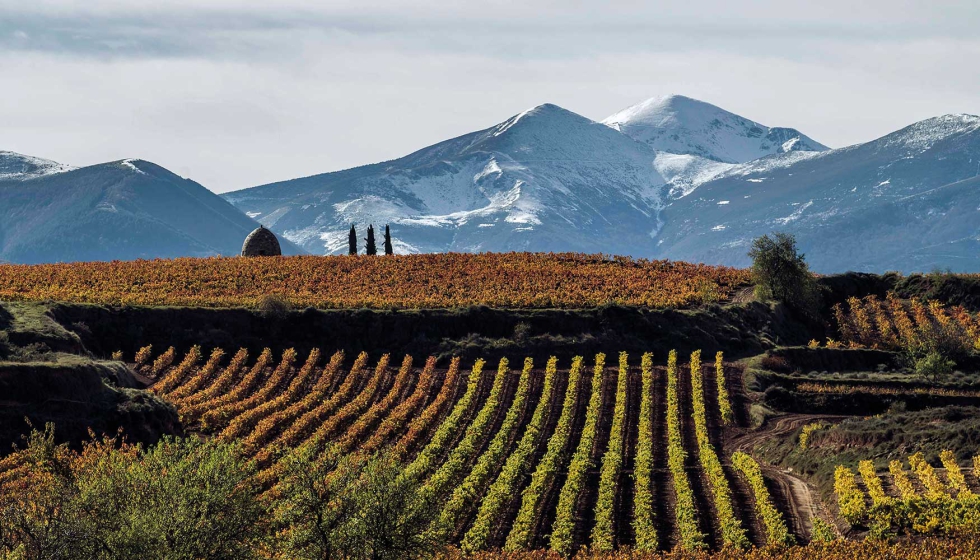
(391, 522)
(780, 273)
(389, 250)
(315, 499)
(352, 241)
(338, 505)
(371, 248)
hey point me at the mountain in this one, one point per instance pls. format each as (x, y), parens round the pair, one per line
(546, 179)
(126, 209)
(909, 201)
(680, 125)
(683, 180)
(18, 167)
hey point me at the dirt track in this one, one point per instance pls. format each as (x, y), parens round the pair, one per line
(794, 495)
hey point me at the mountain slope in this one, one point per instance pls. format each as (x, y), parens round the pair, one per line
(14, 166)
(546, 179)
(909, 201)
(681, 125)
(122, 210)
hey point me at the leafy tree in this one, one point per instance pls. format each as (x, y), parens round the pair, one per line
(780, 273)
(389, 250)
(371, 248)
(390, 523)
(352, 241)
(314, 500)
(336, 505)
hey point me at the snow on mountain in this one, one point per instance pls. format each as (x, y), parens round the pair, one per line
(681, 125)
(908, 201)
(14, 166)
(545, 179)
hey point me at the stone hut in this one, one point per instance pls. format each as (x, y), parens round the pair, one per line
(261, 243)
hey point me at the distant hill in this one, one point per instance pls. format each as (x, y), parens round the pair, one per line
(124, 210)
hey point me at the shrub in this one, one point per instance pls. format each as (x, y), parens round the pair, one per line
(934, 365)
(272, 306)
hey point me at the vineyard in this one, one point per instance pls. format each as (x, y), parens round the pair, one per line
(897, 324)
(508, 280)
(608, 456)
(917, 501)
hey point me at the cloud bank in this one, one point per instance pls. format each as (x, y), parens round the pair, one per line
(238, 93)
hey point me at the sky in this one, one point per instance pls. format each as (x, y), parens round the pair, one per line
(243, 93)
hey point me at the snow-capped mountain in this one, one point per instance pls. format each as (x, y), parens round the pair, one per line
(908, 201)
(14, 166)
(680, 125)
(546, 179)
(675, 178)
(126, 209)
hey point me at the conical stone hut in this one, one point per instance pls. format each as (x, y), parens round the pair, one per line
(261, 243)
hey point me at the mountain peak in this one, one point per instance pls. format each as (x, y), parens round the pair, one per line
(925, 133)
(683, 125)
(20, 167)
(544, 111)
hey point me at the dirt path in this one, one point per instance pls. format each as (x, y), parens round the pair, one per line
(793, 496)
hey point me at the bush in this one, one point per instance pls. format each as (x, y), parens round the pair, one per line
(183, 498)
(935, 366)
(780, 273)
(272, 306)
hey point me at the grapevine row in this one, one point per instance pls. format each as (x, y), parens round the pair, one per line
(643, 517)
(567, 514)
(724, 403)
(691, 538)
(732, 533)
(503, 488)
(777, 533)
(957, 482)
(475, 483)
(521, 533)
(603, 531)
(871, 481)
(850, 499)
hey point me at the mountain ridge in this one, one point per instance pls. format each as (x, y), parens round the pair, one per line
(121, 210)
(681, 125)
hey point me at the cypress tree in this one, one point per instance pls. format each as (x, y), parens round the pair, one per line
(371, 248)
(389, 250)
(352, 241)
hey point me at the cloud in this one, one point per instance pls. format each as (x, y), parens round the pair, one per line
(238, 93)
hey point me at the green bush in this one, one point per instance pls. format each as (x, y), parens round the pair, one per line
(935, 366)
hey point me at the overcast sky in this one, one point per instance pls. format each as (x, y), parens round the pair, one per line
(239, 93)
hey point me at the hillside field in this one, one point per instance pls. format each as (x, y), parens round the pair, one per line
(506, 280)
